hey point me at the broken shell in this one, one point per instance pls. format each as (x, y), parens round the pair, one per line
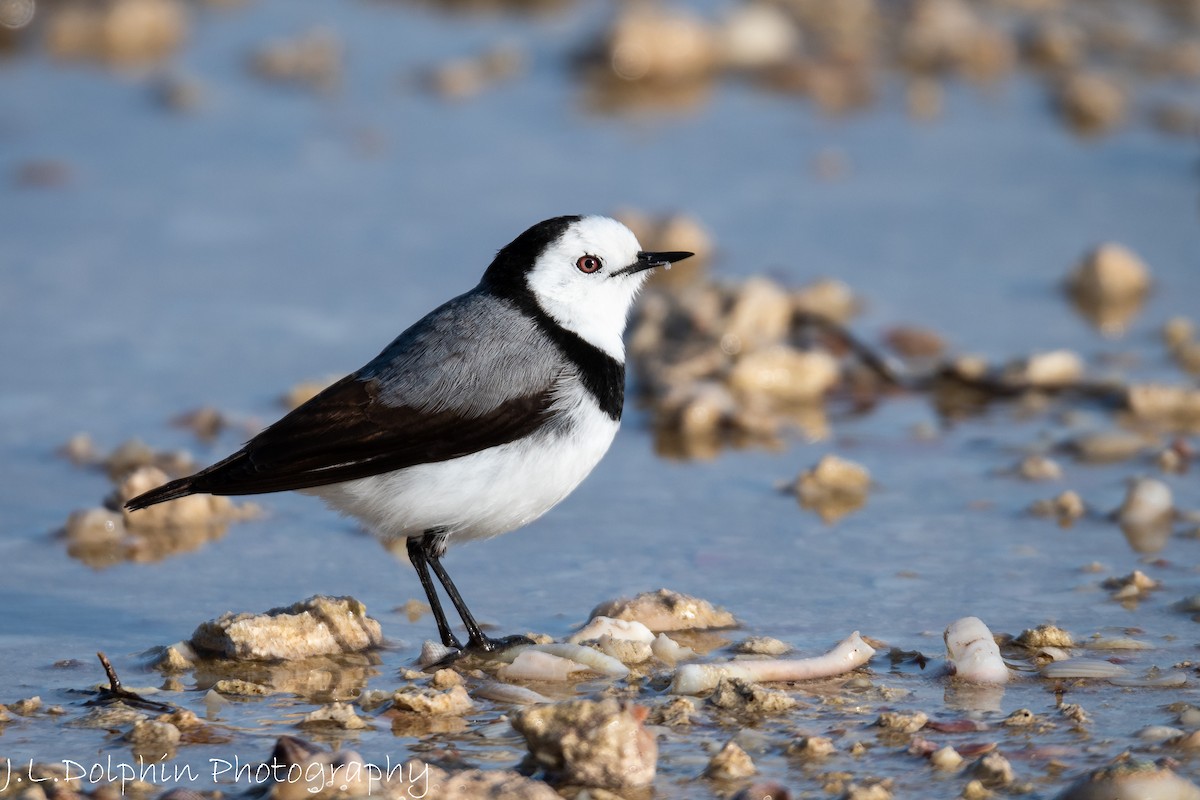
(1044, 635)
(418, 779)
(314, 627)
(1106, 447)
(593, 743)
(946, 759)
(622, 629)
(785, 374)
(761, 315)
(973, 653)
(1053, 369)
(625, 651)
(676, 711)
(118, 31)
(1039, 468)
(1109, 273)
(1091, 103)
(731, 763)
(851, 653)
(339, 715)
(1146, 515)
(1084, 668)
(80, 450)
(827, 297)
(433, 653)
(313, 60)
(744, 696)
(670, 652)
(812, 747)
(902, 722)
(1176, 406)
(757, 35)
(535, 665)
(587, 656)
(1131, 780)
(833, 488)
(762, 646)
(1129, 587)
(1053, 44)
(453, 702)
(993, 771)
(666, 610)
(153, 733)
(314, 767)
(660, 45)
(1176, 332)
(763, 791)
(508, 693)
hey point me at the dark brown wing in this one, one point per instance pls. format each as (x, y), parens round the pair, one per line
(346, 432)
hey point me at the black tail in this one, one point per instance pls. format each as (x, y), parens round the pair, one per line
(168, 491)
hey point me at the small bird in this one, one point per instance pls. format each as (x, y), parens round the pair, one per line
(475, 421)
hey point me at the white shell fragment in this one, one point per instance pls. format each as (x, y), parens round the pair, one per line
(535, 665)
(1131, 780)
(626, 630)
(508, 693)
(1147, 502)
(1084, 668)
(588, 657)
(850, 653)
(669, 651)
(432, 652)
(973, 653)
(1146, 515)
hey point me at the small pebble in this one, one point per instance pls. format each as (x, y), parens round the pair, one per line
(946, 759)
(812, 747)
(431, 702)
(593, 743)
(735, 694)
(1039, 468)
(762, 645)
(1044, 635)
(730, 763)
(339, 715)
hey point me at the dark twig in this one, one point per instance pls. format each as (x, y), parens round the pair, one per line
(870, 359)
(988, 386)
(116, 693)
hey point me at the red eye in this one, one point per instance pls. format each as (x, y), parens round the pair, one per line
(588, 264)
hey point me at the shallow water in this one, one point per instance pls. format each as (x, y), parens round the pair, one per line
(219, 257)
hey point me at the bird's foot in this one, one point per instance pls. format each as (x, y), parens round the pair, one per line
(484, 645)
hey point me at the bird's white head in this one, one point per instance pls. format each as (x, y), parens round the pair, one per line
(582, 271)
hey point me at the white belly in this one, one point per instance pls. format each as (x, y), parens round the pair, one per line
(486, 493)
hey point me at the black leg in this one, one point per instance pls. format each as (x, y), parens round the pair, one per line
(417, 555)
(434, 547)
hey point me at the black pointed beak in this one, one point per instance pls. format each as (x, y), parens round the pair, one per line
(651, 260)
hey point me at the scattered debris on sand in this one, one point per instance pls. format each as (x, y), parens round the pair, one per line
(849, 654)
(318, 626)
(592, 743)
(973, 653)
(833, 488)
(666, 610)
